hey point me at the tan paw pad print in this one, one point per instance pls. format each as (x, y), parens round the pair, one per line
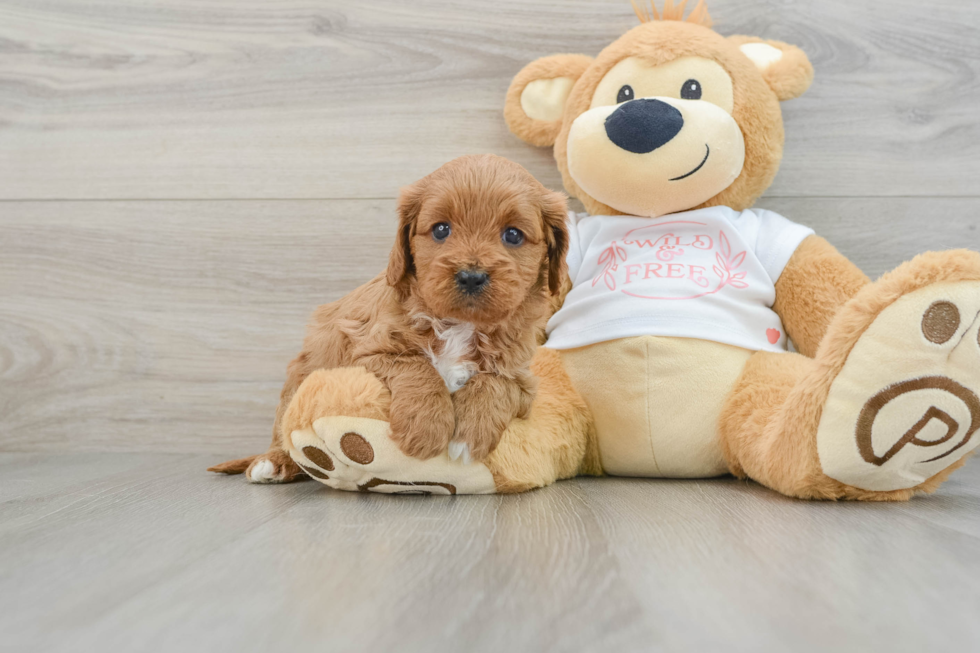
(357, 454)
(905, 406)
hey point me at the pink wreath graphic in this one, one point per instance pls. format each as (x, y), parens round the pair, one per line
(726, 267)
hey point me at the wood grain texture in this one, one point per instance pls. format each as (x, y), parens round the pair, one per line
(157, 325)
(167, 326)
(147, 552)
(339, 99)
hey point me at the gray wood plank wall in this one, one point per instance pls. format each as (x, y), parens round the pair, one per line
(181, 183)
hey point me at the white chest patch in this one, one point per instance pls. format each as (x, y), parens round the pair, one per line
(457, 342)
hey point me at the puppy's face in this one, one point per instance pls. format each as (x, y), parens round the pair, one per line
(480, 236)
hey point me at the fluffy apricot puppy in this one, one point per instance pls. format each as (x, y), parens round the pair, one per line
(450, 328)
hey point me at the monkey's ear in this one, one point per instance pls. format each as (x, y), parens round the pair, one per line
(536, 97)
(785, 67)
(401, 264)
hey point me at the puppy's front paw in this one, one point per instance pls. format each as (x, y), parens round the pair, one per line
(422, 428)
(475, 438)
(460, 451)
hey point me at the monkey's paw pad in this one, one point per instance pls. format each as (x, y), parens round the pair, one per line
(904, 406)
(357, 454)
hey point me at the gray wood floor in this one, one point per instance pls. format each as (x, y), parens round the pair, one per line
(143, 552)
(182, 182)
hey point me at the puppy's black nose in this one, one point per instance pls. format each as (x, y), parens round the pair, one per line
(472, 282)
(641, 126)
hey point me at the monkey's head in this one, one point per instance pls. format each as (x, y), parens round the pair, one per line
(670, 117)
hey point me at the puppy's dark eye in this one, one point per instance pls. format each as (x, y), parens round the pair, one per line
(441, 231)
(625, 94)
(513, 237)
(691, 90)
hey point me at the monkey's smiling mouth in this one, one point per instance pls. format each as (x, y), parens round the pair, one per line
(700, 165)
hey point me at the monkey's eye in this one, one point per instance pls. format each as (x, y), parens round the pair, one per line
(625, 94)
(441, 231)
(513, 237)
(691, 90)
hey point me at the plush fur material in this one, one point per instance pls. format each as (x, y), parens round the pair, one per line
(806, 308)
(559, 66)
(880, 403)
(699, 15)
(790, 76)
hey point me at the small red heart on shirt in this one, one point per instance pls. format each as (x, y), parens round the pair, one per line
(773, 335)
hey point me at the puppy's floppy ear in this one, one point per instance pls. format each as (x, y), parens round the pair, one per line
(785, 67)
(536, 97)
(554, 213)
(401, 264)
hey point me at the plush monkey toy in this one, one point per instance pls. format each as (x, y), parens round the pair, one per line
(668, 357)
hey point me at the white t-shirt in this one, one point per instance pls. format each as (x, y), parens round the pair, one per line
(708, 274)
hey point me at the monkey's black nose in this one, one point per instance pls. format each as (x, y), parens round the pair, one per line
(472, 282)
(641, 126)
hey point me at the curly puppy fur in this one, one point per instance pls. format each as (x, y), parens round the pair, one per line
(413, 321)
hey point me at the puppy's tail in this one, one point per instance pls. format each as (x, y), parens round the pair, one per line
(233, 466)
